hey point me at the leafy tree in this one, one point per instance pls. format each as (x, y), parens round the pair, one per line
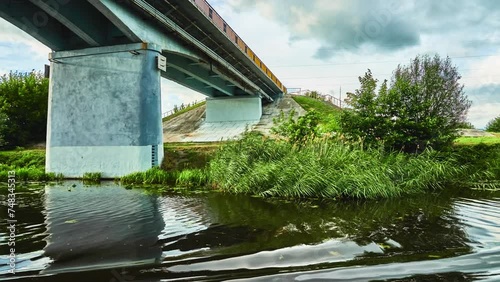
(297, 131)
(362, 122)
(493, 125)
(23, 104)
(423, 107)
(466, 125)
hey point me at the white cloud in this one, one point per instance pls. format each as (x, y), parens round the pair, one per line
(484, 71)
(481, 114)
(11, 33)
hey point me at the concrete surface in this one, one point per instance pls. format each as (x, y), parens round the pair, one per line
(474, 133)
(233, 109)
(104, 111)
(191, 127)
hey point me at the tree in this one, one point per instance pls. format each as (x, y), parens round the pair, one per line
(362, 121)
(493, 125)
(423, 107)
(23, 105)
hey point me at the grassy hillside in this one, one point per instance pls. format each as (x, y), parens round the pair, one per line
(329, 114)
(490, 140)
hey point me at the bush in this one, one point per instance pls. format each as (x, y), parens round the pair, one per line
(23, 108)
(493, 125)
(298, 131)
(423, 107)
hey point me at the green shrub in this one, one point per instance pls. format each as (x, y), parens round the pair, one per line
(297, 131)
(23, 108)
(493, 125)
(423, 107)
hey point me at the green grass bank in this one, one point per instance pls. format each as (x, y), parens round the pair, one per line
(329, 115)
(29, 165)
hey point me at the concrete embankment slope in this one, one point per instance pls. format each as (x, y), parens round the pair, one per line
(191, 126)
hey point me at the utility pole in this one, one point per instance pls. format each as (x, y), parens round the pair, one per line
(340, 97)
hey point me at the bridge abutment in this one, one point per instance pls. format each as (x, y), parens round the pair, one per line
(234, 109)
(104, 111)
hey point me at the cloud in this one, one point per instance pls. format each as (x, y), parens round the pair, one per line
(485, 104)
(13, 36)
(351, 25)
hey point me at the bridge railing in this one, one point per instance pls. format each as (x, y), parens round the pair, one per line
(231, 34)
(180, 108)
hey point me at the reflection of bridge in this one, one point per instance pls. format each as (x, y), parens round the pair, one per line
(104, 101)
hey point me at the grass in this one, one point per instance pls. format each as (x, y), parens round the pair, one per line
(482, 163)
(186, 177)
(29, 165)
(329, 115)
(185, 110)
(180, 156)
(326, 169)
(478, 140)
(92, 177)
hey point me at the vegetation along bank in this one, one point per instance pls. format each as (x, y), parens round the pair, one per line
(395, 138)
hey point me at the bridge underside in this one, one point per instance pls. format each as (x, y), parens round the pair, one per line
(104, 101)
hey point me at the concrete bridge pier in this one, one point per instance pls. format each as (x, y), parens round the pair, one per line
(226, 109)
(104, 111)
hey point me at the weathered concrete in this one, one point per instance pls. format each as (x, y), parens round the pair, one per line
(229, 109)
(190, 126)
(104, 111)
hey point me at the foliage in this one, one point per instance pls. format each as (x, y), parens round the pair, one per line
(23, 108)
(313, 94)
(25, 159)
(297, 131)
(179, 110)
(423, 107)
(466, 140)
(187, 177)
(192, 178)
(493, 125)
(329, 115)
(29, 165)
(325, 169)
(92, 177)
(482, 163)
(466, 125)
(179, 156)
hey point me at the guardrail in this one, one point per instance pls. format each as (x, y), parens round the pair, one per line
(180, 108)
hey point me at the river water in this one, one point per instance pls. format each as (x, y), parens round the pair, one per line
(109, 233)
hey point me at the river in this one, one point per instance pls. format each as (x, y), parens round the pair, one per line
(76, 232)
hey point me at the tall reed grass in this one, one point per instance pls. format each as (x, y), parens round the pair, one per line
(326, 168)
(187, 177)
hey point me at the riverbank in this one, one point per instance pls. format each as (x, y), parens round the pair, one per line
(324, 168)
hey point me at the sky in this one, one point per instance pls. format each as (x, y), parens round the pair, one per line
(325, 45)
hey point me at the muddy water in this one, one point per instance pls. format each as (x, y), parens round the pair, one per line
(109, 233)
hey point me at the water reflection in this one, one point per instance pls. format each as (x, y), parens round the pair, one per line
(93, 227)
(130, 235)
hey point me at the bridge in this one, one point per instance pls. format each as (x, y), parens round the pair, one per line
(108, 57)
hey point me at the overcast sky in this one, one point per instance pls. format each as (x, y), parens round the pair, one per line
(326, 44)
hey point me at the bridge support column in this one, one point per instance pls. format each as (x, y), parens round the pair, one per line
(233, 109)
(104, 111)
